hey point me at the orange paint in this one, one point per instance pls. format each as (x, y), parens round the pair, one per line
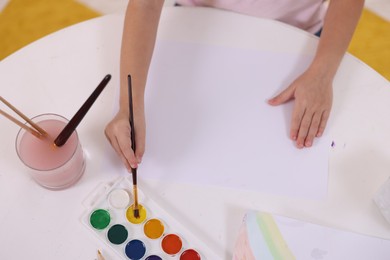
(153, 228)
(171, 244)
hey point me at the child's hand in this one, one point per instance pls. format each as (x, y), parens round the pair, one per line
(118, 134)
(313, 102)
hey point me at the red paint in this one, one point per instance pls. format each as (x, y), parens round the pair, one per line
(171, 244)
(190, 254)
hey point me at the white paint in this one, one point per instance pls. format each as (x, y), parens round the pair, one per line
(119, 199)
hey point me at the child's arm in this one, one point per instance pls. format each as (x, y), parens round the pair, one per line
(312, 90)
(138, 39)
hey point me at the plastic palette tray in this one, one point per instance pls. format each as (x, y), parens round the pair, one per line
(155, 235)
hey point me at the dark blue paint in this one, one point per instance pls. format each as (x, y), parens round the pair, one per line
(135, 249)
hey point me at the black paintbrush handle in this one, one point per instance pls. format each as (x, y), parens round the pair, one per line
(134, 175)
(76, 119)
(131, 121)
(131, 114)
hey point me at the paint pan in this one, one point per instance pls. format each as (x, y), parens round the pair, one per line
(155, 235)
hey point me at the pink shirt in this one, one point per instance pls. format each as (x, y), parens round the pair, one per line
(307, 15)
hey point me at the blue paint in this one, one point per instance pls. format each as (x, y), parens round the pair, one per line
(153, 257)
(135, 249)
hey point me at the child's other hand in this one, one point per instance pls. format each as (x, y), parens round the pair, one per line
(313, 102)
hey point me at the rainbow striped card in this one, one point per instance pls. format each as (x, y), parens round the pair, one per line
(266, 236)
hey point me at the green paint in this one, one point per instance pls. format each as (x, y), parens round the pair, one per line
(117, 234)
(100, 219)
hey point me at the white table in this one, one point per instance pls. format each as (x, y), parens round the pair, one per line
(46, 75)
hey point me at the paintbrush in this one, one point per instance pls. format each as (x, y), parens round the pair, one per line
(76, 119)
(36, 130)
(133, 146)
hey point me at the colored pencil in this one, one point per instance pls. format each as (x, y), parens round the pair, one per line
(99, 255)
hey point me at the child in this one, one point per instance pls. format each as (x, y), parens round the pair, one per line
(312, 90)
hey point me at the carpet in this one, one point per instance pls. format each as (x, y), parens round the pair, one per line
(371, 42)
(24, 21)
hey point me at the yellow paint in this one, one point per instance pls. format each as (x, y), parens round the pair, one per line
(130, 214)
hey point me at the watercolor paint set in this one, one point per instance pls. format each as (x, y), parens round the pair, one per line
(154, 235)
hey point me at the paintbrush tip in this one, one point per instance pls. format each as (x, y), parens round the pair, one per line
(136, 213)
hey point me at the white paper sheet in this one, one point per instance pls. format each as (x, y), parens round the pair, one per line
(208, 121)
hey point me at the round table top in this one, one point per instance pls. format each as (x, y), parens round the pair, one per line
(46, 74)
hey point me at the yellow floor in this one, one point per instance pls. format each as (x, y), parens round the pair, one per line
(371, 42)
(23, 21)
